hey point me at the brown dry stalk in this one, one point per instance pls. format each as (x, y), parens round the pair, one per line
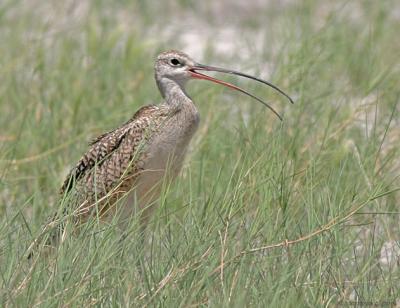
(285, 243)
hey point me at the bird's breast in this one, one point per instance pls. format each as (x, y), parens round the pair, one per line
(169, 146)
(167, 149)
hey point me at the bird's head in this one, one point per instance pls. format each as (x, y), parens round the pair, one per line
(177, 67)
(174, 65)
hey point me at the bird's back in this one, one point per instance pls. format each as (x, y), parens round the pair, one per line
(112, 164)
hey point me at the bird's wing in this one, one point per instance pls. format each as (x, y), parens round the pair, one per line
(106, 144)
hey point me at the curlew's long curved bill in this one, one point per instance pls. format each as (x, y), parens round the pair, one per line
(201, 67)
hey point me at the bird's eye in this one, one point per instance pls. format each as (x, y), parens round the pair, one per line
(175, 62)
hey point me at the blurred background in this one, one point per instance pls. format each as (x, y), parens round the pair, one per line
(71, 70)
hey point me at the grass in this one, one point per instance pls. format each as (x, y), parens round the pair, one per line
(264, 213)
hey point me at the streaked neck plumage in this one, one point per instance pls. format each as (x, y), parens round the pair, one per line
(185, 113)
(173, 91)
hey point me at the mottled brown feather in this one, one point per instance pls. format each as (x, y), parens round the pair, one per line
(102, 146)
(113, 159)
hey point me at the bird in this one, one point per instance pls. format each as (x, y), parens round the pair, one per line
(131, 162)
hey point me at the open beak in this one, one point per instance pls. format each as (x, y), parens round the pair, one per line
(200, 67)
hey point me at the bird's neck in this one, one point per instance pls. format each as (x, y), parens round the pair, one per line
(173, 93)
(180, 105)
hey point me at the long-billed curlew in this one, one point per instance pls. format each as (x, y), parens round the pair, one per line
(133, 159)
